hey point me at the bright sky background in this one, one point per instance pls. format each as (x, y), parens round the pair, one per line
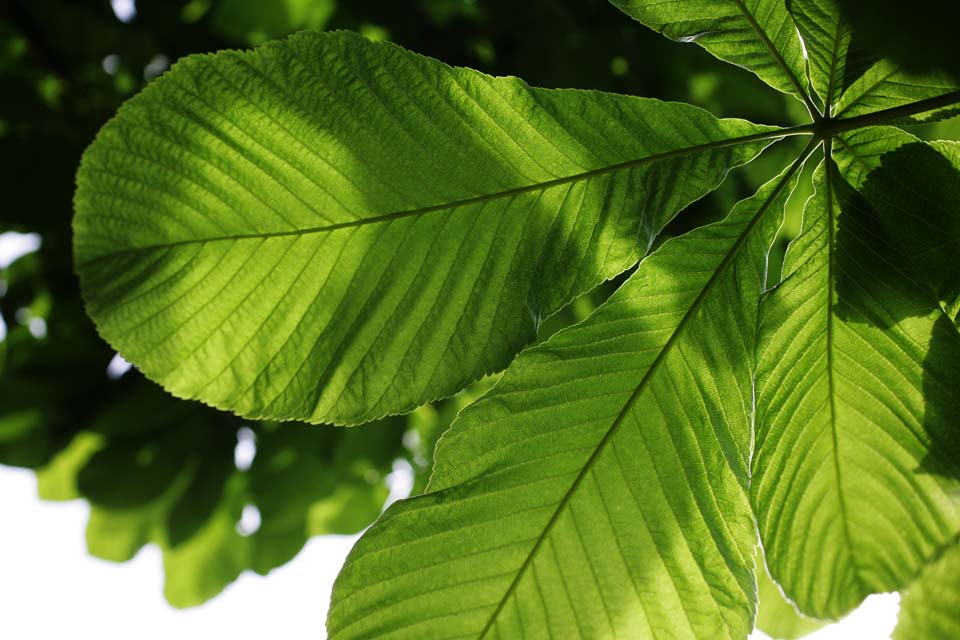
(51, 588)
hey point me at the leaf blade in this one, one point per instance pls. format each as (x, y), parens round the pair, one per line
(835, 58)
(778, 617)
(850, 344)
(246, 239)
(929, 606)
(886, 85)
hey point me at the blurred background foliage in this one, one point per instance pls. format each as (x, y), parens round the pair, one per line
(219, 494)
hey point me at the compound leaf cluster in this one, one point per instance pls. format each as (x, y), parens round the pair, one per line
(333, 230)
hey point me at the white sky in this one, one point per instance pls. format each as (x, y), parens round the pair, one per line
(51, 588)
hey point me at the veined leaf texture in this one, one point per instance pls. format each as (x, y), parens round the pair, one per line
(334, 230)
(229, 247)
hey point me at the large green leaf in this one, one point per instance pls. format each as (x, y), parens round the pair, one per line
(930, 608)
(858, 368)
(333, 230)
(600, 489)
(759, 35)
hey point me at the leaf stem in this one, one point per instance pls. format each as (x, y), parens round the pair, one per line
(828, 127)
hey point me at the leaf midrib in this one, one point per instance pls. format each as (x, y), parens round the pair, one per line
(654, 367)
(831, 384)
(834, 70)
(539, 186)
(822, 129)
(778, 58)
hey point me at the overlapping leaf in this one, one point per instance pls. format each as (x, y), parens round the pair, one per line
(171, 480)
(849, 78)
(858, 368)
(600, 489)
(330, 229)
(835, 61)
(157, 470)
(759, 35)
(915, 189)
(886, 85)
(928, 610)
(776, 616)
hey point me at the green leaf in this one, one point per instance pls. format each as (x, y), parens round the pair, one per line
(600, 488)
(858, 368)
(200, 567)
(849, 78)
(892, 170)
(886, 85)
(778, 617)
(759, 35)
(930, 608)
(58, 479)
(834, 59)
(158, 470)
(333, 230)
(304, 482)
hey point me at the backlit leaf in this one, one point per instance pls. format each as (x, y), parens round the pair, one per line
(332, 230)
(778, 617)
(858, 368)
(834, 57)
(600, 489)
(928, 609)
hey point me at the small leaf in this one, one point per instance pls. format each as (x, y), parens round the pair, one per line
(58, 479)
(759, 35)
(778, 617)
